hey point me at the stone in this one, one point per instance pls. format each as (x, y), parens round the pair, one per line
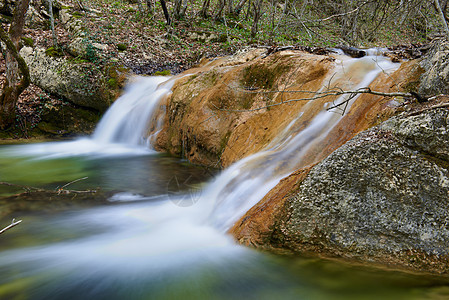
(84, 48)
(435, 80)
(80, 83)
(382, 197)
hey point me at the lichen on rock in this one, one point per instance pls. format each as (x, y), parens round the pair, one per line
(435, 80)
(382, 197)
(80, 83)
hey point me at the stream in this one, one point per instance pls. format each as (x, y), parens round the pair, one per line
(161, 232)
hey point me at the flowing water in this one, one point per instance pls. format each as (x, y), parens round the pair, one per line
(162, 232)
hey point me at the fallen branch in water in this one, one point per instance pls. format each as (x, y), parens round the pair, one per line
(13, 223)
(58, 190)
(61, 189)
(26, 188)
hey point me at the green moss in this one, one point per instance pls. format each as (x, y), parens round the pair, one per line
(28, 41)
(162, 73)
(54, 52)
(112, 83)
(411, 86)
(77, 14)
(261, 76)
(122, 47)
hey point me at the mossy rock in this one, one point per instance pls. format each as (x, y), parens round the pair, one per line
(223, 38)
(54, 52)
(122, 47)
(112, 83)
(77, 15)
(67, 120)
(261, 76)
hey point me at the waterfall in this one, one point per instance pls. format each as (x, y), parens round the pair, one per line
(135, 246)
(123, 130)
(127, 121)
(246, 182)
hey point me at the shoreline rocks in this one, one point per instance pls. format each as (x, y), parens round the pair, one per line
(383, 197)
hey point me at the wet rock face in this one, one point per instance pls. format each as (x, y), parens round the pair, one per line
(209, 118)
(436, 78)
(381, 197)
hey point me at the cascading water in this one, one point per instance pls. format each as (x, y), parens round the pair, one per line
(154, 244)
(123, 128)
(243, 184)
(126, 122)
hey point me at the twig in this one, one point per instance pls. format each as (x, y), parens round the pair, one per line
(27, 188)
(57, 191)
(319, 95)
(13, 223)
(60, 189)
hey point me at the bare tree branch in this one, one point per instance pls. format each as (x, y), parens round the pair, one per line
(26, 188)
(13, 223)
(318, 95)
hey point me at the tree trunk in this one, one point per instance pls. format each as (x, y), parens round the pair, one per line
(140, 7)
(17, 73)
(257, 7)
(52, 23)
(150, 6)
(229, 7)
(164, 8)
(204, 9)
(238, 8)
(442, 18)
(220, 6)
(184, 8)
(179, 9)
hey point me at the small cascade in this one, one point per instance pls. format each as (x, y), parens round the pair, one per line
(123, 130)
(246, 182)
(128, 119)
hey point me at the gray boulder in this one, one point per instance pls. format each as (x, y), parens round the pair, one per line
(435, 80)
(82, 84)
(381, 197)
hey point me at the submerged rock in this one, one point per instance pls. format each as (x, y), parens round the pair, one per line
(382, 197)
(50, 201)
